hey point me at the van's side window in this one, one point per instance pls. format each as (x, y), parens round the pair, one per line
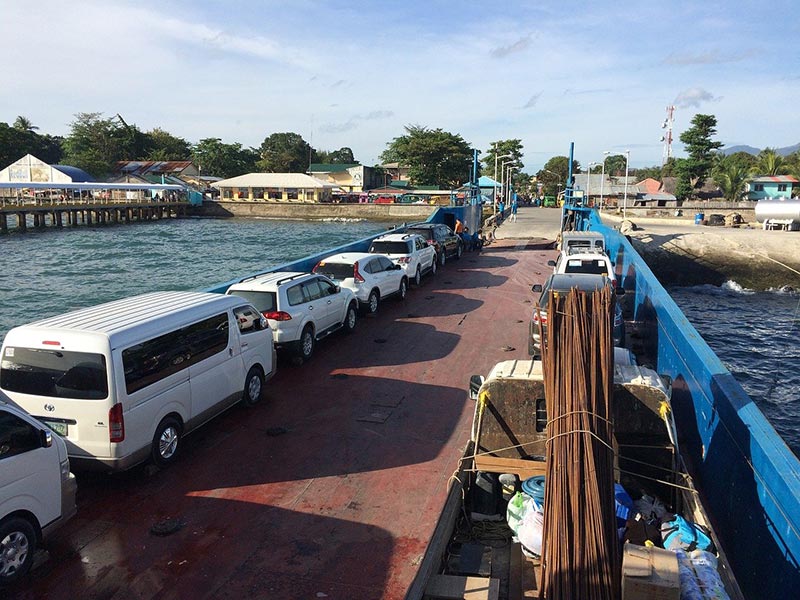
(248, 318)
(16, 436)
(160, 357)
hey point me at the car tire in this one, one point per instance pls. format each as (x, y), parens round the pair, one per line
(253, 386)
(442, 258)
(372, 302)
(418, 276)
(403, 289)
(434, 266)
(166, 442)
(305, 345)
(18, 545)
(350, 318)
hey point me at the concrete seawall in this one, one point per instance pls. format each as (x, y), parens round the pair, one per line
(285, 210)
(681, 253)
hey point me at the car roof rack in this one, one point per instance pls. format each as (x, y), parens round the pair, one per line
(290, 278)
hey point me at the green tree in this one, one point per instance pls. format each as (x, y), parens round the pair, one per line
(16, 142)
(162, 145)
(95, 144)
(615, 165)
(284, 153)
(502, 148)
(743, 159)
(769, 162)
(731, 177)
(692, 171)
(24, 124)
(342, 156)
(433, 156)
(555, 172)
(213, 157)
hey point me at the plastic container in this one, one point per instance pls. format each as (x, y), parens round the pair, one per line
(699, 218)
(534, 487)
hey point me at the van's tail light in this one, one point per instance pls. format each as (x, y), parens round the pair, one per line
(356, 275)
(278, 315)
(540, 317)
(116, 424)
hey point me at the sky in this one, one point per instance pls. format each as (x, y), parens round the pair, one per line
(599, 74)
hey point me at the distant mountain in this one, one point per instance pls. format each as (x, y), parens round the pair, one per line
(754, 151)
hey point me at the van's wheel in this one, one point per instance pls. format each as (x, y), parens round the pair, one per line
(403, 289)
(442, 258)
(166, 442)
(372, 302)
(350, 318)
(17, 546)
(253, 386)
(418, 276)
(305, 346)
(433, 265)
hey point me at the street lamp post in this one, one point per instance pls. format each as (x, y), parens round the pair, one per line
(502, 173)
(587, 200)
(507, 193)
(603, 176)
(495, 177)
(625, 195)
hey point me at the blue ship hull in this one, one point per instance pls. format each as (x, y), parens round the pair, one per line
(748, 478)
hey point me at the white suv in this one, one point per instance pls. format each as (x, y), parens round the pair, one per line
(301, 307)
(370, 276)
(410, 251)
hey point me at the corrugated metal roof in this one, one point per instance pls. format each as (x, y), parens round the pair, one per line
(330, 167)
(775, 179)
(273, 180)
(142, 167)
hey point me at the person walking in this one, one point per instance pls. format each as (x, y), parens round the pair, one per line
(513, 218)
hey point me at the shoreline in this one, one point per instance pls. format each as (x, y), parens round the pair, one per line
(681, 253)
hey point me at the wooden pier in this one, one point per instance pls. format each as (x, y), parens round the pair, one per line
(58, 214)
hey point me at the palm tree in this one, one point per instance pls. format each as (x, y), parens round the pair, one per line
(770, 163)
(731, 179)
(24, 124)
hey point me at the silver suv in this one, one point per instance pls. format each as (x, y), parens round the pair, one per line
(410, 251)
(301, 307)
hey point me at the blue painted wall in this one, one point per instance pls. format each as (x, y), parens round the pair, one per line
(770, 190)
(748, 477)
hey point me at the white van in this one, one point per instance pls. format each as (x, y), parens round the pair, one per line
(123, 381)
(37, 490)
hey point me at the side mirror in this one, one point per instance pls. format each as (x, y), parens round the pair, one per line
(475, 383)
(536, 287)
(551, 263)
(396, 267)
(46, 438)
(338, 289)
(619, 291)
(263, 323)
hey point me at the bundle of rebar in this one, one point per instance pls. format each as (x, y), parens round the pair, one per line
(580, 555)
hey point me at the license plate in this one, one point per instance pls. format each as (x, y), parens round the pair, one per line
(59, 428)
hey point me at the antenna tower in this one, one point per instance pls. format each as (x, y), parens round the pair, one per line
(667, 137)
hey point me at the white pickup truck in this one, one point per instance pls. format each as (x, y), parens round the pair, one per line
(591, 262)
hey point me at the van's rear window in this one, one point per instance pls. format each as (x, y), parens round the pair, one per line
(54, 373)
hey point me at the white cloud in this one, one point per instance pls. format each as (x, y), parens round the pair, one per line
(694, 97)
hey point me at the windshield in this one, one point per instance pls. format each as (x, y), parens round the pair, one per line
(592, 266)
(54, 373)
(389, 248)
(263, 301)
(337, 271)
(426, 233)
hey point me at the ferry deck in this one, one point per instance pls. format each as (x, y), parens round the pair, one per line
(331, 487)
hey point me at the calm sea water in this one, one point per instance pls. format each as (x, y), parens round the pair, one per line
(757, 337)
(48, 272)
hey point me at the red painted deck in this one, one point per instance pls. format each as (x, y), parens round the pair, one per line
(343, 503)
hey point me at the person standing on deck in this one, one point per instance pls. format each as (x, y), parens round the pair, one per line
(513, 218)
